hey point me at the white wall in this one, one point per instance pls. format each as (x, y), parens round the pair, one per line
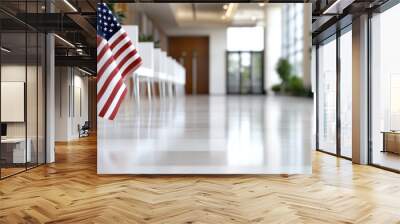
(69, 112)
(17, 73)
(217, 81)
(273, 45)
(34, 124)
(61, 103)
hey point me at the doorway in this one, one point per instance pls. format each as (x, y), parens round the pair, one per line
(245, 72)
(193, 53)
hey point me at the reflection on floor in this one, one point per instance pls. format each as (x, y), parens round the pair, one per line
(208, 135)
(5, 172)
(12, 169)
(387, 159)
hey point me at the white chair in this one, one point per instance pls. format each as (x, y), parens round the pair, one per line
(146, 71)
(158, 68)
(170, 75)
(180, 80)
(176, 85)
(162, 76)
(133, 33)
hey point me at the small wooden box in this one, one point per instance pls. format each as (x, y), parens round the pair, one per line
(391, 142)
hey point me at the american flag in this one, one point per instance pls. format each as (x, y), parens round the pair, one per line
(116, 58)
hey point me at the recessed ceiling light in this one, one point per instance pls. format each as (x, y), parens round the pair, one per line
(5, 49)
(261, 4)
(229, 10)
(70, 5)
(65, 41)
(225, 7)
(84, 71)
(332, 7)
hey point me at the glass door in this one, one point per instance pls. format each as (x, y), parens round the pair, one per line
(245, 72)
(233, 65)
(327, 96)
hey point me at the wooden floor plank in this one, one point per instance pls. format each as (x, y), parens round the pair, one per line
(70, 191)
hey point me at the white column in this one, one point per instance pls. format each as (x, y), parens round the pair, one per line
(360, 90)
(273, 42)
(50, 99)
(307, 45)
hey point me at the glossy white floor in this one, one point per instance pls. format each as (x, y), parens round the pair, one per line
(208, 135)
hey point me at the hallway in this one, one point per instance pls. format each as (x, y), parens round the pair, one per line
(209, 135)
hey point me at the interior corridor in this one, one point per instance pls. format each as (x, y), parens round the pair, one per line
(208, 135)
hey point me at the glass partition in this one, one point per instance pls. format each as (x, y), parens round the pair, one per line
(13, 94)
(41, 97)
(257, 73)
(245, 76)
(346, 94)
(31, 97)
(22, 60)
(233, 72)
(385, 89)
(327, 96)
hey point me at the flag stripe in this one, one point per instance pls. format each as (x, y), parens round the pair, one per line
(116, 36)
(112, 116)
(99, 40)
(111, 80)
(114, 103)
(121, 39)
(104, 67)
(102, 52)
(130, 54)
(132, 67)
(122, 49)
(121, 58)
(107, 71)
(111, 98)
(117, 45)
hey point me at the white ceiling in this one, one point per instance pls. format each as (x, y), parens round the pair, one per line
(161, 13)
(192, 15)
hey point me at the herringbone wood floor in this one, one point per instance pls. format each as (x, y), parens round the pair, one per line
(70, 191)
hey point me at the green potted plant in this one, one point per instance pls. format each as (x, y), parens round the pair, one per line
(290, 84)
(284, 70)
(146, 38)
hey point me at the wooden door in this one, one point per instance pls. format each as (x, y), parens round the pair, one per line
(193, 53)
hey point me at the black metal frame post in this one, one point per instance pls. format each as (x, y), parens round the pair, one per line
(317, 97)
(0, 97)
(369, 96)
(338, 94)
(26, 87)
